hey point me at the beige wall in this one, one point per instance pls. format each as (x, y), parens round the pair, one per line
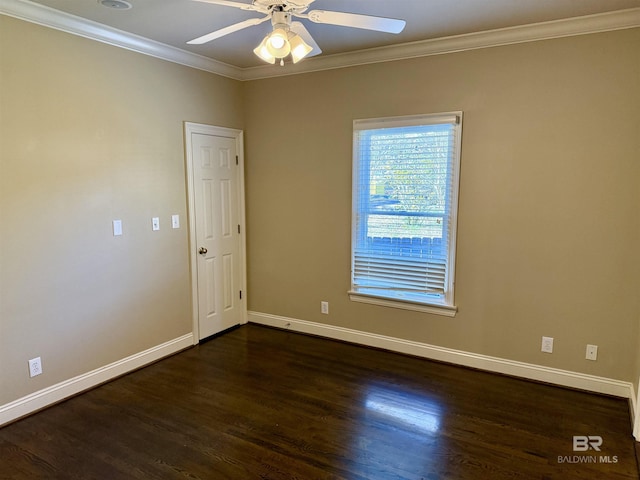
(548, 221)
(90, 133)
(548, 226)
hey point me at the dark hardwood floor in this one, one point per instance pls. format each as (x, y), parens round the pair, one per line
(259, 403)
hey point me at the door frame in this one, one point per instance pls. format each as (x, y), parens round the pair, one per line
(238, 135)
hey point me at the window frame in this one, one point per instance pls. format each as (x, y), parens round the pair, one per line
(443, 304)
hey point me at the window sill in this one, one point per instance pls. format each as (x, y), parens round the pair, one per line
(434, 308)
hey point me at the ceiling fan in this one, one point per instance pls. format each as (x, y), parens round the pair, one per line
(289, 37)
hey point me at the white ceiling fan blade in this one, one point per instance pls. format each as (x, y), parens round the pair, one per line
(242, 6)
(300, 29)
(227, 30)
(368, 22)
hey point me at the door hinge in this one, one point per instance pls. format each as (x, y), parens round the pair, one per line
(240, 294)
(236, 159)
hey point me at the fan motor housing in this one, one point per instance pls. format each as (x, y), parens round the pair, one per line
(280, 19)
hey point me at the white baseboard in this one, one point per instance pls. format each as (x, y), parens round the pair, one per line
(635, 414)
(56, 393)
(529, 371)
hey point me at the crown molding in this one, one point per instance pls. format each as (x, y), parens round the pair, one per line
(604, 22)
(48, 17)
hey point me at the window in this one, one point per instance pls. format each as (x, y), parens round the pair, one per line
(405, 195)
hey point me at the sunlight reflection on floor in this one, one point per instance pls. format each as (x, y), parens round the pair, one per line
(408, 410)
(399, 434)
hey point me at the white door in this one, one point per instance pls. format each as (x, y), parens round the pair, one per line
(216, 226)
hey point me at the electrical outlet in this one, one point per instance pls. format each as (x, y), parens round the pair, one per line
(547, 344)
(592, 352)
(35, 367)
(324, 308)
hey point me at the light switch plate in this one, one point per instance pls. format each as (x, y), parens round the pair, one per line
(175, 221)
(117, 228)
(155, 223)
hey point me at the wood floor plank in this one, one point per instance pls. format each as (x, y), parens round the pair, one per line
(260, 403)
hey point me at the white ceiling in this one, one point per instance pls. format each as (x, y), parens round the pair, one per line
(174, 22)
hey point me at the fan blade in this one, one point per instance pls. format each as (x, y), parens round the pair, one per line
(242, 6)
(227, 30)
(300, 29)
(368, 22)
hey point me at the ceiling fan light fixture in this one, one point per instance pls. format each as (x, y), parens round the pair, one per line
(287, 37)
(299, 48)
(277, 43)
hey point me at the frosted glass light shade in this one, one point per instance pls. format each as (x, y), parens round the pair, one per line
(263, 52)
(278, 43)
(299, 48)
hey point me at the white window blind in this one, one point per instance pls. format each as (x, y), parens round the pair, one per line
(404, 207)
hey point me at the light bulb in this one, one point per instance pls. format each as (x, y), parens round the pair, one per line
(278, 43)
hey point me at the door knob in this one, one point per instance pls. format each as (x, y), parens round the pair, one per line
(202, 251)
